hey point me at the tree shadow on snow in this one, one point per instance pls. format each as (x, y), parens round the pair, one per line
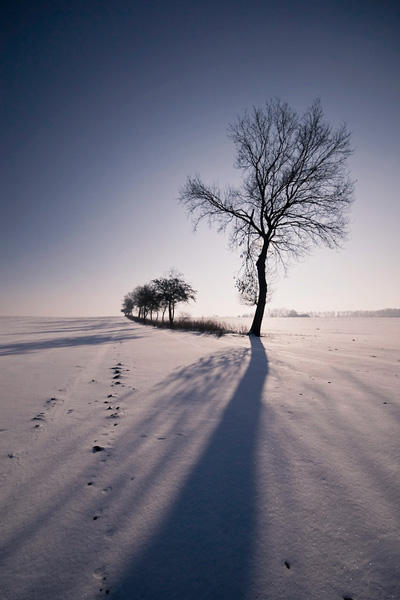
(69, 325)
(204, 545)
(113, 336)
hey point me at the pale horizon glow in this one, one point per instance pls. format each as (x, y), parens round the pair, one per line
(107, 109)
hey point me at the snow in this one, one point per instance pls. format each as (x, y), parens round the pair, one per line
(230, 468)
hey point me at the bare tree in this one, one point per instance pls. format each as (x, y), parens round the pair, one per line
(295, 192)
(128, 304)
(145, 299)
(172, 290)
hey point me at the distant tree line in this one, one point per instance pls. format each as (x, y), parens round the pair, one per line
(158, 298)
(384, 312)
(284, 312)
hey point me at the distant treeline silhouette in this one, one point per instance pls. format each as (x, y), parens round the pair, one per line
(152, 301)
(157, 297)
(285, 312)
(384, 312)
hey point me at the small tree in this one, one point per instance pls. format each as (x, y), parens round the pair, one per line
(172, 290)
(145, 300)
(295, 192)
(128, 305)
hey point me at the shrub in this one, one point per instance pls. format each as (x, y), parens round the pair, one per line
(185, 323)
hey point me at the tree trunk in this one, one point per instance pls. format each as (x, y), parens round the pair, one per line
(171, 312)
(255, 328)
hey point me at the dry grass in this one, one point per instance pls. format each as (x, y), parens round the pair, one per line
(205, 326)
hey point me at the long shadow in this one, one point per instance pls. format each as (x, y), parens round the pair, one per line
(63, 342)
(69, 326)
(205, 545)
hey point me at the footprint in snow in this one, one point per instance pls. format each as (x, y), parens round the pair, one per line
(99, 574)
(41, 420)
(97, 449)
(39, 417)
(54, 401)
(99, 513)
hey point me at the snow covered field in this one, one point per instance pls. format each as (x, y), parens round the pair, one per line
(145, 464)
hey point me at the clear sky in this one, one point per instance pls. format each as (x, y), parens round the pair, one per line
(106, 107)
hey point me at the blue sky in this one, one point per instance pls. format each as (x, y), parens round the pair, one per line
(108, 106)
